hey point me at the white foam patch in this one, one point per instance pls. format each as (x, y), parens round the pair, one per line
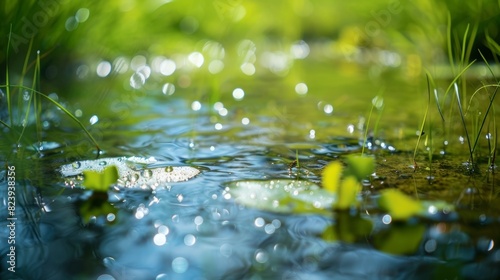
(133, 172)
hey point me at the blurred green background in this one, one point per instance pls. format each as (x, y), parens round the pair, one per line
(68, 32)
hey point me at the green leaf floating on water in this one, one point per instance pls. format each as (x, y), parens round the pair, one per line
(399, 205)
(100, 181)
(281, 195)
(331, 176)
(345, 190)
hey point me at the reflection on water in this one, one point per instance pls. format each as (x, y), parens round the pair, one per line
(191, 230)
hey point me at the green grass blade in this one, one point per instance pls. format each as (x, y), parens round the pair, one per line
(5, 124)
(68, 113)
(9, 101)
(458, 76)
(462, 117)
(36, 100)
(448, 41)
(423, 123)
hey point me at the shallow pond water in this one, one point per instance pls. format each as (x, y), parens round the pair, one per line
(194, 230)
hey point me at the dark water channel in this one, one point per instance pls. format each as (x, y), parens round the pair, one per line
(193, 231)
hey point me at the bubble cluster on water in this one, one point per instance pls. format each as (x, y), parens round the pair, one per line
(133, 172)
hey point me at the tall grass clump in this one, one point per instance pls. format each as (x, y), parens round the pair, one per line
(22, 123)
(468, 116)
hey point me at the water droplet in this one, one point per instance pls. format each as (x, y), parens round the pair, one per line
(110, 217)
(247, 68)
(175, 218)
(159, 239)
(226, 250)
(163, 230)
(198, 220)
(269, 229)
(328, 109)
(300, 50)
(301, 88)
(180, 197)
(196, 59)
(169, 169)
(168, 89)
(102, 163)
(215, 66)
(189, 240)
(162, 276)
(261, 256)
(26, 96)
(82, 15)
(133, 177)
(103, 69)
(386, 219)
(196, 105)
(238, 94)
(378, 102)
(94, 119)
(147, 173)
(180, 265)
(105, 277)
(137, 80)
(259, 222)
(76, 164)
(167, 67)
(108, 262)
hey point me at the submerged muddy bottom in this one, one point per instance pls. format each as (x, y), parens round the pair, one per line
(195, 230)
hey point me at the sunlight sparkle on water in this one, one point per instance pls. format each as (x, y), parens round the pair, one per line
(93, 120)
(386, 219)
(198, 220)
(328, 108)
(137, 80)
(82, 15)
(223, 112)
(312, 133)
(238, 94)
(259, 222)
(103, 68)
(189, 240)
(120, 64)
(215, 66)
(159, 239)
(300, 50)
(269, 228)
(301, 88)
(350, 128)
(247, 68)
(180, 265)
(105, 277)
(137, 62)
(245, 121)
(196, 59)
(261, 256)
(167, 67)
(168, 89)
(196, 105)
